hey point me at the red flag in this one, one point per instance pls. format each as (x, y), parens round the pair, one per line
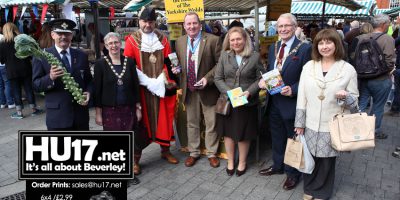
(15, 9)
(33, 18)
(112, 13)
(44, 11)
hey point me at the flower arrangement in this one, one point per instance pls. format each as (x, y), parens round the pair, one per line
(26, 46)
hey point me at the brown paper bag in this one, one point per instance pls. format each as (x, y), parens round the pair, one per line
(294, 153)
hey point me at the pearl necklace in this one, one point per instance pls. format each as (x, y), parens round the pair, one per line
(119, 81)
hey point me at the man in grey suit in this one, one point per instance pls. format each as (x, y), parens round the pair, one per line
(198, 53)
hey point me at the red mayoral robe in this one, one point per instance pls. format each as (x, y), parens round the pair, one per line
(158, 113)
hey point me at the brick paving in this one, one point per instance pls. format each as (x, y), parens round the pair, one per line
(367, 174)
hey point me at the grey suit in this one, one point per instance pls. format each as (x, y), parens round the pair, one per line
(229, 75)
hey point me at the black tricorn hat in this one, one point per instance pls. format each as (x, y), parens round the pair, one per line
(62, 25)
(148, 13)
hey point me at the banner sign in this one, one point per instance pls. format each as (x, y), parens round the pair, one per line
(75, 155)
(176, 9)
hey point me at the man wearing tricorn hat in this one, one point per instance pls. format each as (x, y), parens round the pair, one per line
(150, 49)
(62, 113)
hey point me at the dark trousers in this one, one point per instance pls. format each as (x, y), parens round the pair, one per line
(75, 127)
(320, 183)
(16, 85)
(396, 99)
(281, 130)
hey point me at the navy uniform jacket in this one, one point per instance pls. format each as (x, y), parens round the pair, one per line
(61, 110)
(291, 71)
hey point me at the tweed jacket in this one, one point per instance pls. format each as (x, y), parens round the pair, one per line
(209, 52)
(230, 75)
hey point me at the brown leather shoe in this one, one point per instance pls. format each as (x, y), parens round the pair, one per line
(136, 169)
(269, 171)
(214, 162)
(290, 183)
(169, 157)
(190, 161)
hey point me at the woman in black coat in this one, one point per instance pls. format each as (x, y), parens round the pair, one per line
(19, 72)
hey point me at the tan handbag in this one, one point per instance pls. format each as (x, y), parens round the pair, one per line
(294, 153)
(351, 132)
(223, 107)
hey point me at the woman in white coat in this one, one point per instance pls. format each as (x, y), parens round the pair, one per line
(327, 84)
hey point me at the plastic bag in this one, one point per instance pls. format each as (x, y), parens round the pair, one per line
(309, 163)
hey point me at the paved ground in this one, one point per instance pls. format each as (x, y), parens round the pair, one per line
(368, 174)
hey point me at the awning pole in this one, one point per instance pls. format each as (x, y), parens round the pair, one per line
(95, 12)
(256, 35)
(323, 14)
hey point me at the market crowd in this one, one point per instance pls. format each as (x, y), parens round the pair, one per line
(135, 88)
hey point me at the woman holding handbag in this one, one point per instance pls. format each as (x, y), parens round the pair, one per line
(327, 84)
(238, 66)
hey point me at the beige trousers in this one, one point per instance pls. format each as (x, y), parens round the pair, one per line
(194, 107)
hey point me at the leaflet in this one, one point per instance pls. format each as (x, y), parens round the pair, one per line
(274, 81)
(235, 98)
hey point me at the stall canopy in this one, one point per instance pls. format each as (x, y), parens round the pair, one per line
(29, 2)
(393, 11)
(350, 4)
(315, 8)
(243, 6)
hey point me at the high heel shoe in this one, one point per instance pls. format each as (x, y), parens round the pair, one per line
(230, 172)
(239, 173)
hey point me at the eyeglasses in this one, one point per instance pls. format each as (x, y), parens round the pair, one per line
(284, 26)
(113, 43)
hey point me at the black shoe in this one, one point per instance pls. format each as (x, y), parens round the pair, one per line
(239, 173)
(290, 183)
(135, 181)
(230, 172)
(396, 154)
(381, 136)
(269, 171)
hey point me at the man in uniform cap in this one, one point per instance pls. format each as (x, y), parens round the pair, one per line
(62, 112)
(150, 49)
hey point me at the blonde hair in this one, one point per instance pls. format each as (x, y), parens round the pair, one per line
(247, 50)
(10, 31)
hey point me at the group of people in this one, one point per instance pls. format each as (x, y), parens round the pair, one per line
(136, 90)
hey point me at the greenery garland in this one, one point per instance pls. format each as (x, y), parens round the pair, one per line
(26, 46)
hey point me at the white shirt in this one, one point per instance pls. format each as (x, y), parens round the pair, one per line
(68, 54)
(286, 50)
(196, 53)
(239, 59)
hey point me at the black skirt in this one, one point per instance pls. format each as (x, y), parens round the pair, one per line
(241, 124)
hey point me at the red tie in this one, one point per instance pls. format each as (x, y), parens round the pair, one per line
(280, 56)
(191, 70)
